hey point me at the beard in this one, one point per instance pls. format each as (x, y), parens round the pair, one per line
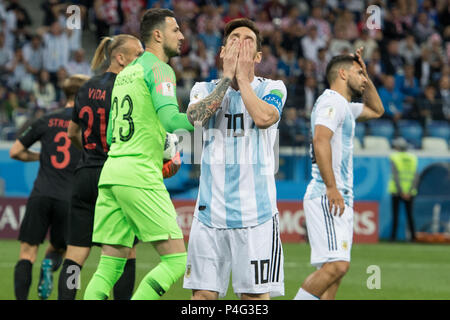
(355, 91)
(171, 52)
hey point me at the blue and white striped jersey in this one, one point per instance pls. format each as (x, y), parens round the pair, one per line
(237, 183)
(333, 111)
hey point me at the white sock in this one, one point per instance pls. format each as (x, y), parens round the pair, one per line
(305, 295)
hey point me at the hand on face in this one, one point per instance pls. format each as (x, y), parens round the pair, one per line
(230, 54)
(246, 62)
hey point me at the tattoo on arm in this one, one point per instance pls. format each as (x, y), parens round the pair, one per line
(204, 109)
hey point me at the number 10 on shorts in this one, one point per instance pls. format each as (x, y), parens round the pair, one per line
(262, 269)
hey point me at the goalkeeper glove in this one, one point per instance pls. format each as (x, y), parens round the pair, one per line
(171, 167)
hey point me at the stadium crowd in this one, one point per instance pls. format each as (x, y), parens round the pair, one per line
(407, 55)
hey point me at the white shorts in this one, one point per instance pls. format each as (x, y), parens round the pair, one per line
(330, 236)
(253, 255)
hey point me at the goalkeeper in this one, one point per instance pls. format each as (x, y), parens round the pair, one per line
(132, 198)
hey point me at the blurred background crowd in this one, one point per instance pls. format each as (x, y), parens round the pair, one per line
(407, 56)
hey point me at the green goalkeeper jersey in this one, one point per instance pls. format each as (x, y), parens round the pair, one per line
(135, 133)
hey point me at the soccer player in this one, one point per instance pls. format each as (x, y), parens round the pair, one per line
(132, 198)
(235, 227)
(87, 130)
(49, 201)
(328, 201)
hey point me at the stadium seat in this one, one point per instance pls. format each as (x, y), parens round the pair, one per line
(382, 128)
(411, 131)
(434, 144)
(439, 129)
(374, 143)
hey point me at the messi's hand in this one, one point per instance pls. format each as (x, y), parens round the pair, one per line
(171, 167)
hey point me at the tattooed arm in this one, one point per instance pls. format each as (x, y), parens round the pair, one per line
(200, 112)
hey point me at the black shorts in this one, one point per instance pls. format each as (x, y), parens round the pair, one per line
(81, 216)
(41, 214)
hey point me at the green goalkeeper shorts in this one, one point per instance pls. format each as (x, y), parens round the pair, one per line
(121, 212)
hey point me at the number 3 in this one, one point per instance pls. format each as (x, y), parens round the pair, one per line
(64, 149)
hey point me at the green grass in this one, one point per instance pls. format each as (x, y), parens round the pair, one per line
(408, 271)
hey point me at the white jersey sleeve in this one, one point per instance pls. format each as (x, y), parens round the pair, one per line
(328, 114)
(198, 92)
(275, 94)
(356, 108)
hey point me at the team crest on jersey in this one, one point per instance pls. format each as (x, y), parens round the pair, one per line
(197, 97)
(329, 112)
(168, 89)
(188, 271)
(344, 245)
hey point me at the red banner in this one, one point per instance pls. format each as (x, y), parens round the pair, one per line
(292, 219)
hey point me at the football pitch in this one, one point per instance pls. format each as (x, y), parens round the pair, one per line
(406, 271)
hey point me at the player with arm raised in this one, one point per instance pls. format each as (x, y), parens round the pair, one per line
(328, 201)
(133, 199)
(49, 202)
(87, 130)
(235, 227)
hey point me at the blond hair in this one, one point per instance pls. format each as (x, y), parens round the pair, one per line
(108, 45)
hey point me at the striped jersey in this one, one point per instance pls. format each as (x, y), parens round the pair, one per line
(237, 183)
(333, 111)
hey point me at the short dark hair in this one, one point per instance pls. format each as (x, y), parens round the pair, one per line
(242, 22)
(340, 61)
(152, 19)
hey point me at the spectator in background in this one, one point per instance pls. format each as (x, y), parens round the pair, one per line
(338, 43)
(233, 12)
(429, 107)
(423, 28)
(392, 60)
(210, 13)
(423, 67)
(410, 88)
(106, 16)
(321, 68)
(56, 50)
(443, 96)
(367, 43)
(6, 55)
(275, 10)
(264, 24)
(395, 26)
(311, 43)
(185, 9)
(19, 77)
(78, 64)
(187, 73)
(205, 59)
(323, 26)
(267, 68)
(307, 96)
(437, 57)
(132, 13)
(409, 49)
(44, 91)
(33, 53)
(5, 107)
(346, 23)
(211, 38)
(291, 129)
(392, 99)
(61, 76)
